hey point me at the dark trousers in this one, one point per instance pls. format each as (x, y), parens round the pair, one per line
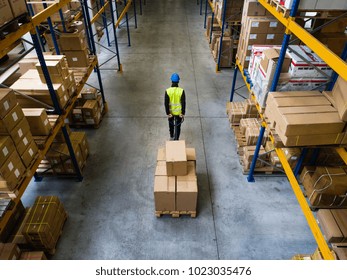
(172, 127)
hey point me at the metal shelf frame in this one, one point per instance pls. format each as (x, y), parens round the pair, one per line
(340, 67)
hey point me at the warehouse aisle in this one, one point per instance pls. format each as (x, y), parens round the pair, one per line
(111, 213)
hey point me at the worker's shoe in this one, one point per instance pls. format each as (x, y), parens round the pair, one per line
(172, 138)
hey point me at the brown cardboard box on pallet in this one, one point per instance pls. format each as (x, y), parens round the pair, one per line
(29, 154)
(176, 158)
(187, 190)
(23, 144)
(340, 96)
(6, 148)
(5, 12)
(38, 121)
(91, 112)
(73, 41)
(77, 58)
(248, 154)
(12, 119)
(81, 138)
(34, 256)
(66, 160)
(9, 251)
(341, 252)
(54, 67)
(20, 131)
(10, 172)
(333, 224)
(89, 93)
(18, 7)
(164, 193)
(50, 214)
(191, 154)
(7, 101)
(253, 8)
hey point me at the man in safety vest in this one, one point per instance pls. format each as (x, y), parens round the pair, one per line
(175, 105)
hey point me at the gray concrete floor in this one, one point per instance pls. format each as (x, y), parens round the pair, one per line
(111, 213)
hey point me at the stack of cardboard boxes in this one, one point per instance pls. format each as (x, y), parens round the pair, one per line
(333, 223)
(9, 251)
(33, 83)
(175, 181)
(233, 10)
(241, 110)
(38, 7)
(58, 155)
(306, 118)
(88, 109)
(10, 9)
(45, 223)
(316, 4)
(17, 147)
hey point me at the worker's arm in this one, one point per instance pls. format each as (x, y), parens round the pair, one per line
(183, 102)
(167, 104)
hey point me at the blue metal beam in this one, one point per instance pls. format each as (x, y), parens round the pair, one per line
(115, 36)
(233, 84)
(127, 21)
(250, 177)
(62, 20)
(134, 3)
(300, 161)
(206, 3)
(334, 76)
(222, 35)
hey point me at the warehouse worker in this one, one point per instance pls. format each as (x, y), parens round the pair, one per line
(175, 105)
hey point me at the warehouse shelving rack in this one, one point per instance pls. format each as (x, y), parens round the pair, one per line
(62, 112)
(222, 24)
(339, 65)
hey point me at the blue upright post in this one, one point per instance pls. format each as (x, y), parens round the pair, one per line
(51, 29)
(300, 161)
(84, 12)
(233, 84)
(211, 29)
(141, 7)
(62, 20)
(135, 17)
(93, 49)
(31, 12)
(250, 177)
(104, 21)
(334, 76)
(314, 157)
(222, 35)
(115, 36)
(201, 7)
(144, 2)
(127, 20)
(116, 8)
(206, 3)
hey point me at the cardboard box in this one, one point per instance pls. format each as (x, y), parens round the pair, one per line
(329, 226)
(11, 120)
(66, 159)
(9, 165)
(7, 101)
(89, 93)
(16, 214)
(18, 7)
(90, 109)
(20, 131)
(341, 252)
(81, 138)
(10, 172)
(176, 158)
(312, 140)
(77, 58)
(38, 121)
(160, 169)
(270, 59)
(164, 193)
(191, 154)
(9, 251)
(186, 193)
(29, 154)
(5, 12)
(72, 41)
(6, 148)
(339, 94)
(23, 144)
(33, 256)
(253, 8)
(54, 67)
(161, 154)
(17, 235)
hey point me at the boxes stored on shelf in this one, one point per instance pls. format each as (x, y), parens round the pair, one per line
(176, 158)
(72, 41)
(66, 160)
(18, 7)
(24, 142)
(91, 112)
(38, 121)
(16, 215)
(253, 8)
(29, 154)
(241, 110)
(339, 94)
(7, 101)
(77, 58)
(341, 252)
(20, 131)
(89, 93)
(164, 193)
(11, 120)
(269, 62)
(33, 256)
(17, 235)
(81, 138)
(49, 213)
(9, 251)
(227, 51)
(54, 67)
(6, 148)
(10, 172)
(334, 224)
(248, 154)
(5, 12)
(325, 186)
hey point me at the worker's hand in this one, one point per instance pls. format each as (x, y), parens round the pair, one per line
(169, 116)
(182, 116)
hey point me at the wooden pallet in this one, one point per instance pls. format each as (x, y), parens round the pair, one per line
(302, 257)
(279, 7)
(175, 214)
(13, 25)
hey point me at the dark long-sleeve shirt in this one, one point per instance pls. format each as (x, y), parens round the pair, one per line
(167, 101)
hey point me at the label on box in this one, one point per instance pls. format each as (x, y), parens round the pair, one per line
(249, 47)
(20, 132)
(74, 59)
(65, 98)
(17, 173)
(14, 116)
(270, 36)
(31, 152)
(10, 166)
(5, 151)
(278, 165)
(294, 158)
(248, 58)
(273, 24)
(25, 141)
(6, 105)
(255, 24)
(45, 122)
(253, 36)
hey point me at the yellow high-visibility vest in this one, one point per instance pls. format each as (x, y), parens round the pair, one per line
(175, 94)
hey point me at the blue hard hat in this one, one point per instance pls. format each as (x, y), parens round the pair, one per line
(175, 78)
